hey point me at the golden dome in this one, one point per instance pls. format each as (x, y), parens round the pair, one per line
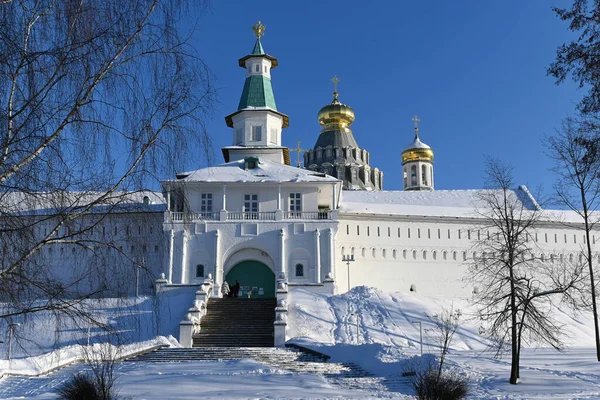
(417, 151)
(335, 116)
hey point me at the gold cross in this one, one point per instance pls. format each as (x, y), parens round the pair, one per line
(299, 150)
(259, 29)
(335, 81)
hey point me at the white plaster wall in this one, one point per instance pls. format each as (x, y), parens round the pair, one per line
(395, 263)
(267, 120)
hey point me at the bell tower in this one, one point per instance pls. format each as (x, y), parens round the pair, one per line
(417, 163)
(257, 124)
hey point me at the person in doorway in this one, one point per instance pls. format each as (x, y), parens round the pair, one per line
(225, 289)
(236, 290)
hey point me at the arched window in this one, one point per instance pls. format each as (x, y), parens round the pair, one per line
(434, 255)
(424, 175)
(383, 253)
(413, 175)
(146, 200)
(445, 255)
(394, 254)
(404, 254)
(199, 271)
(299, 270)
(424, 254)
(405, 177)
(414, 254)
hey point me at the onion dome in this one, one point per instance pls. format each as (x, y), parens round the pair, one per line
(417, 150)
(335, 116)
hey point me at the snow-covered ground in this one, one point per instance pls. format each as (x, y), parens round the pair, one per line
(387, 344)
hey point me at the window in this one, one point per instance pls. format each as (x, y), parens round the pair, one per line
(257, 68)
(239, 136)
(295, 204)
(368, 231)
(299, 270)
(256, 133)
(146, 200)
(206, 202)
(423, 175)
(156, 248)
(405, 178)
(413, 175)
(251, 206)
(200, 271)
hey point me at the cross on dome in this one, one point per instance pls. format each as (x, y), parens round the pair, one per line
(299, 150)
(335, 81)
(416, 120)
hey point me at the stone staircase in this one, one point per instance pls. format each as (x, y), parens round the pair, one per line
(237, 322)
(288, 359)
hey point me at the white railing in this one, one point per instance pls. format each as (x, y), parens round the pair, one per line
(249, 216)
(311, 215)
(262, 216)
(194, 216)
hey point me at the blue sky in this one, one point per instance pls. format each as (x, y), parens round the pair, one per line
(472, 70)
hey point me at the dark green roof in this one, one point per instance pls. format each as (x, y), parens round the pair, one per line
(258, 49)
(257, 92)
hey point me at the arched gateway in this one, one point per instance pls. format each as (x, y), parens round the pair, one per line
(254, 277)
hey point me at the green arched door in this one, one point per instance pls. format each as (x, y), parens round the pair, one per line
(254, 277)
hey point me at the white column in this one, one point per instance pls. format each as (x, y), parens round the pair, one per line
(330, 252)
(218, 274)
(334, 196)
(278, 197)
(224, 191)
(171, 253)
(184, 257)
(318, 255)
(282, 251)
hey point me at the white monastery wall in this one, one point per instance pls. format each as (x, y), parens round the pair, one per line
(431, 254)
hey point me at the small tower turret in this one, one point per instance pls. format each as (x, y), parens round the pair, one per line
(417, 163)
(257, 124)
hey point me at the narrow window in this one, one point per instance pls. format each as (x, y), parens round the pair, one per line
(257, 68)
(256, 133)
(409, 233)
(574, 238)
(156, 248)
(296, 204)
(199, 271)
(418, 233)
(404, 254)
(448, 233)
(373, 252)
(405, 178)
(445, 255)
(546, 237)
(394, 254)
(368, 231)
(398, 232)
(347, 229)
(435, 255)
(565, 238)
(413, 175)
(357, 230)
(469, 234)
(414, 254)
(363, 252)
(439, 233)
(206, 203)
(555, 238)
(459, 233)
(424, 254)
(389, 231)
(251, 206)
(383, 253)
(423, 175)
(299, 270)
(378, 232)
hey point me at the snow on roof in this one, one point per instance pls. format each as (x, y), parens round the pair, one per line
(438, 203)
(51, 202)
(416, 144)
(265, 171)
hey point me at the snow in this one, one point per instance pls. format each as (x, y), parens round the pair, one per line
(266, 171)
(438, 203)
(387, 345)
(416, 144)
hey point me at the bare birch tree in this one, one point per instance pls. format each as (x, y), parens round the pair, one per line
(515, 286)
(575, 151)
(97, 97)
